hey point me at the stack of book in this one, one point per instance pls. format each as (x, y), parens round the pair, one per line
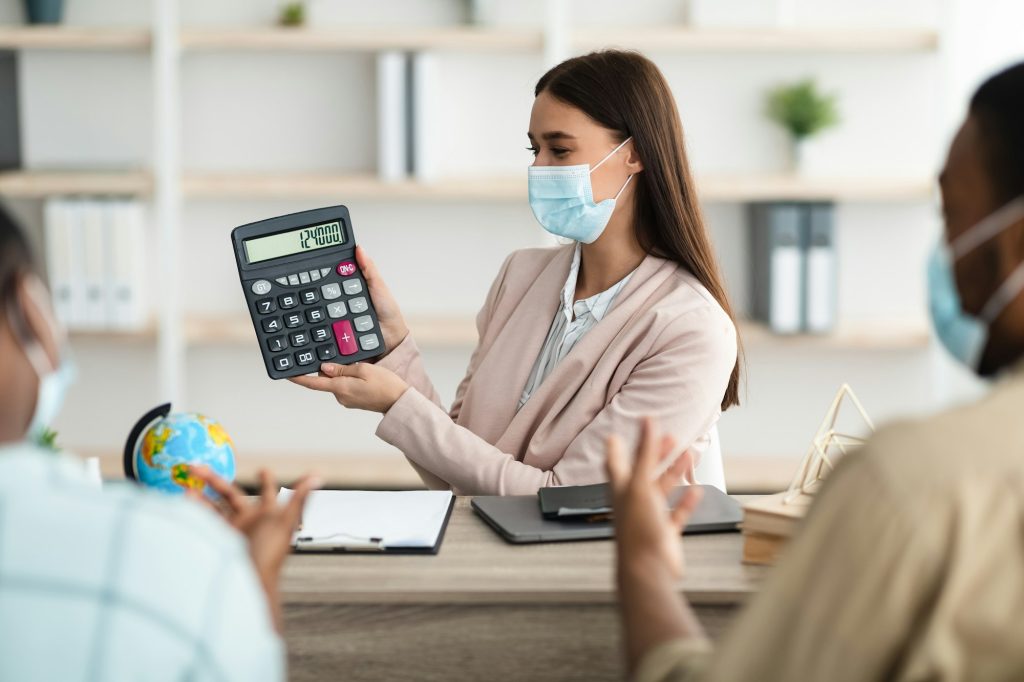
(769, 522)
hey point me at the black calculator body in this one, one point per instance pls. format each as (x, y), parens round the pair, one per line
(307, 297)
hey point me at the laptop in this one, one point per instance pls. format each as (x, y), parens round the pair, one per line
(518, 519)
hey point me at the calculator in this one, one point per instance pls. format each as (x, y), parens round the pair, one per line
(306, 295)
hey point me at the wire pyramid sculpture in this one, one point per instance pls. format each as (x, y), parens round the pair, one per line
(827, 446)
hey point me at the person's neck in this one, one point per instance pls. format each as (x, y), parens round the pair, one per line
(613, 256)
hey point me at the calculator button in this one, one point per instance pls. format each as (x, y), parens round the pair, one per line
(369, 342)
(314, 275)
(266, 306)
(327, 352)
(299, 339)
(293, 280)
(272, 324)
(345, 337)
(277, 343)
(283, 362)
(309, 296)
(314, 315)
(331, 291)
(304, 277)
(363, 323)
(321, 334)
(358, 305)
(282, 281)
(336, 310)
(261, 286)
(324, 272)
(346, 269)
(293, 320)
(352, 286)
(306, 357)
(288, 301)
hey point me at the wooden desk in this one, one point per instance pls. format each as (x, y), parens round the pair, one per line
(483, 609)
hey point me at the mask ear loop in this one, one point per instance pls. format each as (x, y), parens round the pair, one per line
(611, 153)
(989, 227)
(623, 189)
(1004, 295)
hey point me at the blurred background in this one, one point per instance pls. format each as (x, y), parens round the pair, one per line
(816, 130)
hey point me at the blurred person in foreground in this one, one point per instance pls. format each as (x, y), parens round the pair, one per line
(118, 583)
(910, 565)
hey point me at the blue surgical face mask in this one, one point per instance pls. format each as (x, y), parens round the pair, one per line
(562, 200)
(53, 382)
(964, 335)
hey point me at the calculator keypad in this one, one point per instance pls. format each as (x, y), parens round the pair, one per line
(317, 323)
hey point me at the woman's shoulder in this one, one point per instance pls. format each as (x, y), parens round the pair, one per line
(686, 310)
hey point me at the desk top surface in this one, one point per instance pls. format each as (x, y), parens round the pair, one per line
(475, 565)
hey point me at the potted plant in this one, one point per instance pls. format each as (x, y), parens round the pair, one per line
(44, 11)
(803, 111)
(293, 14)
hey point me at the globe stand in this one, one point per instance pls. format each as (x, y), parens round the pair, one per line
(140, 428)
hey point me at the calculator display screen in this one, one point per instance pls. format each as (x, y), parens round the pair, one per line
(294, 241)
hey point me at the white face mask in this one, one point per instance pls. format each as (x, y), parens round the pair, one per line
(53, 383)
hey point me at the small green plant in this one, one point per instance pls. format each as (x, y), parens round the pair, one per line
(293, 14)
(801, 109)
(48, 440)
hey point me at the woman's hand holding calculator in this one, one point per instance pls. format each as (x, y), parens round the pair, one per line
(392, 324)
(360, 386)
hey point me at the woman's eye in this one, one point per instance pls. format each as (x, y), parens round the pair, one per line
(559, 152)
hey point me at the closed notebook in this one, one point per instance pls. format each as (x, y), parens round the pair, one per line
(373, 521)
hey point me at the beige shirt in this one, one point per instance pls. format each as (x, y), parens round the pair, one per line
(665, 349)
(910, 565)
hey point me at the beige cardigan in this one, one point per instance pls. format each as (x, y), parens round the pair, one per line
(665, 349)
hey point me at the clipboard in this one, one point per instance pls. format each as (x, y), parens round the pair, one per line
(373, 522)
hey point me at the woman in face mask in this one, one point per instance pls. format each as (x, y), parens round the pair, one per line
(631, 318)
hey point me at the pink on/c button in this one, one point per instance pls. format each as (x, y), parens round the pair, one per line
(345, 337)
(347, 268)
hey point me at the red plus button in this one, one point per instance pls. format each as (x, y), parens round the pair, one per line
(345, 337)
(346, 269)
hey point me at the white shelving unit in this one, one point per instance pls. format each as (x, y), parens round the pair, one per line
(169, 187)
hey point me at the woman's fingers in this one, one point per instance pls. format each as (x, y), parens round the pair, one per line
(647, 450)
(268, 489)
(231, 494)
(317, 383)
(616, 466)
(673, 474)
(293, 510)
(688, 501)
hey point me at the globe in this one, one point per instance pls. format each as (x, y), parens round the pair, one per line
(168, 449)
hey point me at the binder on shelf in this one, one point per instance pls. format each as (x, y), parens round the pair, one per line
(10, 129)
(59, 266)
(424, 88)
(93, 229)
(777, 266)
(821, 269)
(394, 155)
(75, 228)
(126, 293)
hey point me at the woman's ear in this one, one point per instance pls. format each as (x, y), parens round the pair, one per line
(34, 302)
(633, 163)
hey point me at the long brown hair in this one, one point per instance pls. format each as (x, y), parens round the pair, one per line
(626, 93)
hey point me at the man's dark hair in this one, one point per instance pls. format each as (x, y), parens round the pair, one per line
(15, 258)
(998, 108)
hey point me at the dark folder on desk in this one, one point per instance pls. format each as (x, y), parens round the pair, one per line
(519, 519)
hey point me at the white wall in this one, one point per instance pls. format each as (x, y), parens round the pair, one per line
(313, 112)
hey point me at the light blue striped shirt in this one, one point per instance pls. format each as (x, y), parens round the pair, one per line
(572, 321)
(122, 583)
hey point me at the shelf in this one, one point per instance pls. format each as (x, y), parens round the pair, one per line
(145, 335)
(876, 336)
(73, 38)
(756, 40)
(361, 39)
(40, 184)
(721, 188)
(460, 332)
(428, 331)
